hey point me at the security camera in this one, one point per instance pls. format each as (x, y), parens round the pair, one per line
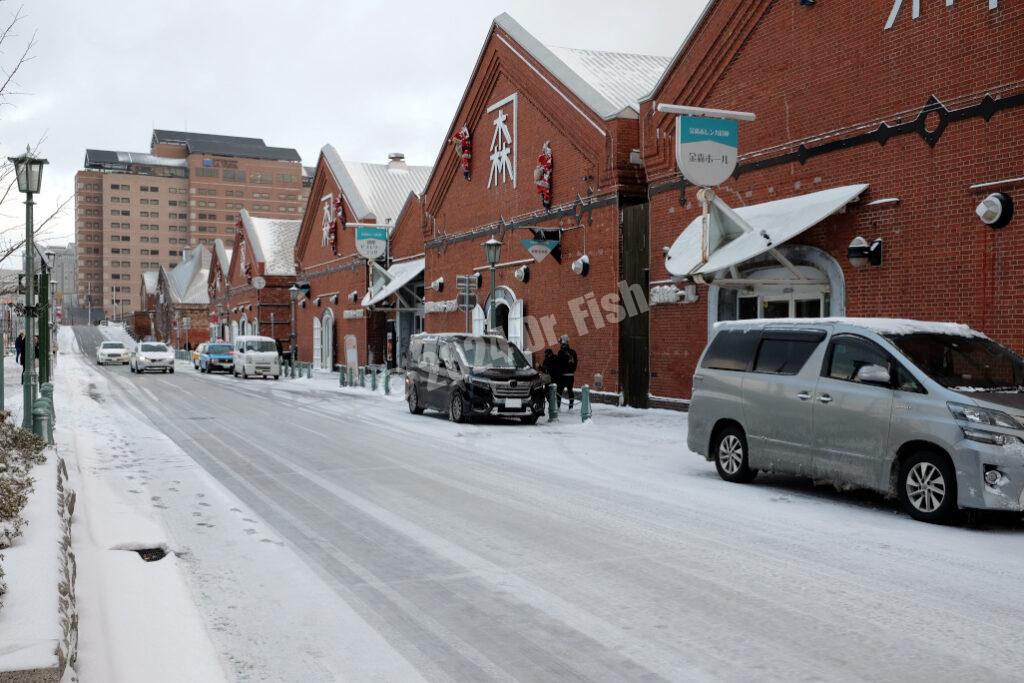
(995, 210)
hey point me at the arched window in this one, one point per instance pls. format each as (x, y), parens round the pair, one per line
(327, 341)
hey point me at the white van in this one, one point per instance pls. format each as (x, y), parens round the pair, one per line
(256, 356)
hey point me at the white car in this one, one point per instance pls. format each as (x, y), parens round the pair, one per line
(256, 356)
(112, 352)
(151, 356)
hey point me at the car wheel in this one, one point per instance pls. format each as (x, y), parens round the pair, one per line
(927, 487)
(530, 419)
(277, 377)
(414, 402)
(131, 368)
(730, 451)
(171, 371)
(456, 408)
(245, 375)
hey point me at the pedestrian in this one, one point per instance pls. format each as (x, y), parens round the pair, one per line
(549, 367)
(19, 349)
(566, 370)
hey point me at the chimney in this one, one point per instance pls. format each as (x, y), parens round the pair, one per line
(396, 162)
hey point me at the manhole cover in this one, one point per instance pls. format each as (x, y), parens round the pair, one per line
(151, 554)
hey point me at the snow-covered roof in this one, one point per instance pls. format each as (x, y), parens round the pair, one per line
(887, 326)
(187, 280)
(223, 255)
(610, 83)
(273, 242)
(150, 280)
(376, 191)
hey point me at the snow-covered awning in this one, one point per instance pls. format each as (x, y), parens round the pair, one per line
(396, 277)
(738, 235)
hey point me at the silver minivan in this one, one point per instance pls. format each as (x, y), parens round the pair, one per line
(932, 413)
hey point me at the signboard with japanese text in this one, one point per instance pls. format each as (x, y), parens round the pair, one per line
(371, 242)
(706, 149)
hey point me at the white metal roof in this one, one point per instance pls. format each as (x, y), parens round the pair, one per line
(376, 192)
(223, 255)
(400, 275)
(150, 280)
(187, 281)
(738, 235)
(273, 242)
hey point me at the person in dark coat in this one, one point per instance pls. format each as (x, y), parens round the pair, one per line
(19, 348)
(549, 367)
(566, 370)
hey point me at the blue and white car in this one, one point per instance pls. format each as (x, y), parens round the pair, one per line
(217, 356)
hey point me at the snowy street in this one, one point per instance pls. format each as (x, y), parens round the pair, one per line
(328, 534)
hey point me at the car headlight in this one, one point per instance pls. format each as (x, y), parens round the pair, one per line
(982, 416)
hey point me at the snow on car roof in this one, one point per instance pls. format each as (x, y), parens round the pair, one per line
(885, 326)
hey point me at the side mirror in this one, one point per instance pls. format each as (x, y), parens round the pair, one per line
(873, 374)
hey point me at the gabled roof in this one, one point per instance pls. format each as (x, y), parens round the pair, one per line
(609, 83)
(375, 191)
(224, 145)
(187, 281)
(150, 280)
(273, 242)
(223, 255)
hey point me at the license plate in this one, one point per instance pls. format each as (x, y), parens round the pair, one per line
(513, 403)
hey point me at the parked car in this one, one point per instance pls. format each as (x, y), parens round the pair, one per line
(255, 356)
(932, 413)
(217, 356)
(151, 357)
(468, 376)
(196, 352)
(111, 352)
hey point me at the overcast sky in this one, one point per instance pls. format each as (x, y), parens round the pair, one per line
(368, 77)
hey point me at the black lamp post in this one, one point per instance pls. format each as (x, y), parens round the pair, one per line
(293, 293)
(492, 251)
(29, 171)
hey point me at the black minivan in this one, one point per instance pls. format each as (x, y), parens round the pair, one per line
(468, 376)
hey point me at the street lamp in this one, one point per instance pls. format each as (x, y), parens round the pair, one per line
(492, 251)
(293, 292)
(28, 170)
(44, 317)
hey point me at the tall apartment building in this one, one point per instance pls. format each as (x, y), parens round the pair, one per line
(135, 212)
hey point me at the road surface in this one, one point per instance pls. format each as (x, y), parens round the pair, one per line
(500, 552)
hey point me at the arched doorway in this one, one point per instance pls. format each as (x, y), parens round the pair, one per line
(317, 343)
(327, 341)
(234, 330)
(243, 324)
(508, 315)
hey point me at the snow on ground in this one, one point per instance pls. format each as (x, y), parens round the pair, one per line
(115, 333)
(29, 620)
(216, 605)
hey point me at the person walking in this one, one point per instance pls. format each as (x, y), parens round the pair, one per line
(567, 370)
(19, 349)
(549, 368)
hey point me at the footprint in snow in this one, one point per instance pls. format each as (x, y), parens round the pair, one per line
(133, 491)
(197, 514)
(267, 540)
(205, 504)
(236, 510)
(246, 519)
(205, 524)
(200, 495)
(250, 531)
(154, 498)
(161, 506)
(171, 488)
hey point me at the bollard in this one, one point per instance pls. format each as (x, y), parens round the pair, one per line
(373, 379)
(585, 412)
(552, 402)
(40, 421)
(47, 392)
(387, 382)
(341, 375)
(362, 377)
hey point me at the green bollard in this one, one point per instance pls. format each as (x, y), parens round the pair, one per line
(552, 402)
(341, 375)
(47, 392)
(309, 371)
(41, 421)
(585, 412)
(373, 380)
(362, 377)
(387, 382)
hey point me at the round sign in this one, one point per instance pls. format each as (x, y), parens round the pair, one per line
(258, 282)
(706, 149)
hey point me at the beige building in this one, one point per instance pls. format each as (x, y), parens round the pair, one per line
(137, 212)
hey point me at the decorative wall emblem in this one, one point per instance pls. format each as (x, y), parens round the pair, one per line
(326, 220)
(915, 10)
(504, 140)
(542, 174)
(464, 148)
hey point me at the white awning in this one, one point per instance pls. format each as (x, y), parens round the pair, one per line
(738, 235)
(397, 276)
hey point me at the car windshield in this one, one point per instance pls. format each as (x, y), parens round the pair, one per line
(489, 352)
(963, 363)
(261, 346)
(218, 348)
(154, 347)
(112, 345)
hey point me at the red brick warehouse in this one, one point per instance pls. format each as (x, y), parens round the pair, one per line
(333, 327)
(545, 146)
(926, 111)
(259, 277)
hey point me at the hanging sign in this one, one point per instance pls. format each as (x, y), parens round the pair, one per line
(371, 243)
(539, 249)
(258, 283)
(706, 149)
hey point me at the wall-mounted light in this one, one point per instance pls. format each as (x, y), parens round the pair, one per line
(861, 253)
(581, 266)
(995, 210)
(317, 302)
(353, 295)
(334, 298)
(523, 273)
(437, 285)
(302, 304)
